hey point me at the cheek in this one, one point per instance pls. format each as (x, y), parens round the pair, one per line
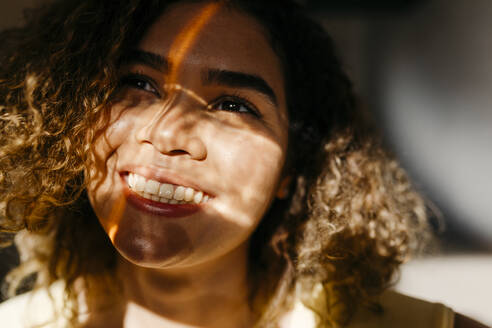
(108, 138)
(250, 167)
(103, 186)
(113, 133)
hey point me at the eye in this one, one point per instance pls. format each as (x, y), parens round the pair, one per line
(140, 82)
(235, 104)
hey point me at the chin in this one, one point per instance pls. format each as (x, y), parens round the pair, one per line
(150, 249)
(153, 262)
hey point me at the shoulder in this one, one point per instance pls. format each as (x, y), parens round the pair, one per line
(407, 312)
(299, 316)
(400, 307)
(36, 308)
(12, 310)
(398, 311)
(462, 321)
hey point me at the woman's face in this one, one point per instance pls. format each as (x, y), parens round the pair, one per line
(193, 155)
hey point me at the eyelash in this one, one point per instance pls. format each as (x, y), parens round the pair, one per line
(135, 80)
(237, 100)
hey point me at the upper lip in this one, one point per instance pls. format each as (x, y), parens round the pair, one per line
(163, 176)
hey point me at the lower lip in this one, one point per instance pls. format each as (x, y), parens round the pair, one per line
(158, 208)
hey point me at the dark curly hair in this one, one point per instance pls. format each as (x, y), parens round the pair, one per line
(351, 217)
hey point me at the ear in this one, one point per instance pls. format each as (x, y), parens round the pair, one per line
(283, 187)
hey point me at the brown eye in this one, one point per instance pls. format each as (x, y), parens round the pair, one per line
(233, 104)
(139, 82)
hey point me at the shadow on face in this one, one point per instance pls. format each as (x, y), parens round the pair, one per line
(200, 113)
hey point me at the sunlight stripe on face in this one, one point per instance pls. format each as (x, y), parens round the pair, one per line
(187, 37)
(115, 217)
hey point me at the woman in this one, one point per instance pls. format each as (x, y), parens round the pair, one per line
(195, 164)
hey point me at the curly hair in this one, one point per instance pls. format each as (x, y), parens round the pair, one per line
(351, 218)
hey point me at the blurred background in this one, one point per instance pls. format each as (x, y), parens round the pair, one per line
(424, 68)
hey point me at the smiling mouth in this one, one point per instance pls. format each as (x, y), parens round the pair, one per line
(162, 199)
(164, 193)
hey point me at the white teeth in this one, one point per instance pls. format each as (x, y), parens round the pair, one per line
(131, 180)
(188, 196)
(164, 192)
(198, 197)
(139, 183)
(152, 187)
(179, 193)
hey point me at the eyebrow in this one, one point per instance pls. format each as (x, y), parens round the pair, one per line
(151, 59)
(239, 80)
(211, 76)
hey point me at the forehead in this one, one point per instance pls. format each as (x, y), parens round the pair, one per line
(207, 34)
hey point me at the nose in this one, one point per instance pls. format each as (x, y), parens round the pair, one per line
(173, 128)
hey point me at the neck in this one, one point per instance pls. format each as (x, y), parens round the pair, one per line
(213, 294)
